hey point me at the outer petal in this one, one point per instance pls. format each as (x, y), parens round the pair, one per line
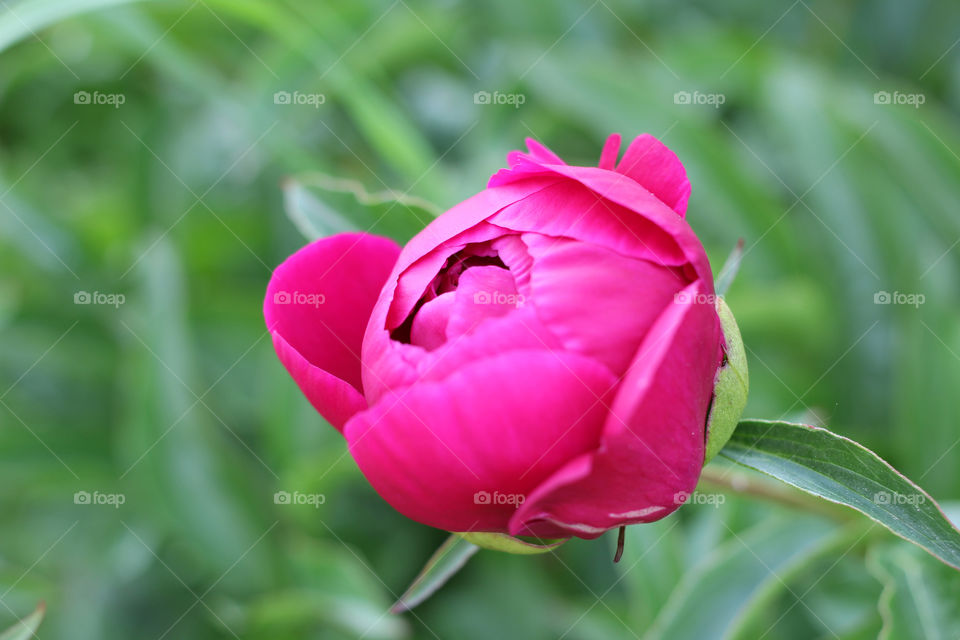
(430, 449)
(519, 330)
(466, 215)
(572, 210)
(656, 168)
(334, 399)
(536, 153)
(653, 442)
(317, 307)
(611, 149)
(619, 189)
(598, 302)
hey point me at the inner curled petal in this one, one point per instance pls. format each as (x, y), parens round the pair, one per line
(473, 285)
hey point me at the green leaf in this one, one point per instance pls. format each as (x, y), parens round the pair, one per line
(729, 270)
(174, 444)
(445, 561)
(297, 611)
(741, 575)
(655, 560)
(327, 585)
(840, 470)
(26, 628)
(919, 598)
(321, 205)
(24, 19)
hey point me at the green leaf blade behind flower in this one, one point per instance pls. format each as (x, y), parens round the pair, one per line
(446, 561)
(321, 205)
(27, 627)
(919, 598)
(728, 272)
(454, 553)
(840, 470)
(741, 575)
(30, 17)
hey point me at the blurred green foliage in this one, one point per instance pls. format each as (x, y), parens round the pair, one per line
(175, 400)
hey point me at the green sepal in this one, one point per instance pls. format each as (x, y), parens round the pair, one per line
(730, 388)
(503, 542)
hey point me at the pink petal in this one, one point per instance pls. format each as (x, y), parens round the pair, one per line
(388, 363)
(537, 194)
(657, 168)
(653, 441)
(519, 330)
(483, 293)
(536, 153)
(464, 216)
(337, 401)
(488, 427)
(402, 365)
(513, 252)
(317, 306)
(569, 209)
(620, 189)
(611, 149)
(597, 302)
(412, 283)
(430, 324)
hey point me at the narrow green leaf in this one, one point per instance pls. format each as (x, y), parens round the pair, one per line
(655, 561)
(919, 598)
(446, 561)
(741, 576)
(321, 205)
(174, 452)
(729, 270)
(24, 19)
(297, 611)
(840, 470)
(26, 628)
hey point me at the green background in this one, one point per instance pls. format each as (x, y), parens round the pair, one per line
(175, 399)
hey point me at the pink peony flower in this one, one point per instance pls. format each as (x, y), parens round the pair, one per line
(539, 360)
